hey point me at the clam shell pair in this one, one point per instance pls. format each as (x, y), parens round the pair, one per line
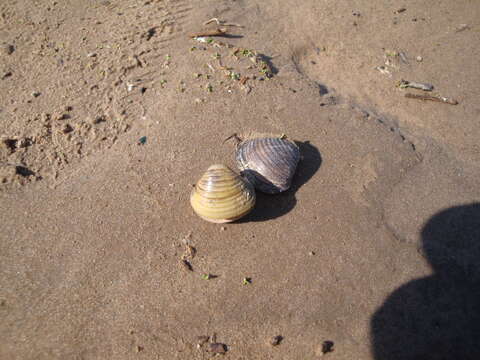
(268, 164)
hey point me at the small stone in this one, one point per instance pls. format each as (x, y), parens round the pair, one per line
(276, 340)
(8, 49)
(217, 348)
(419, 58)
(223, 228)
(92, 54)
(311, 253)
(23, 171)
(98, 119)
(66, 129)
(327, 347)
(23, 142)
(6, 74)
(63, 116)
(36, 94)
(10, 144)
(139, 348)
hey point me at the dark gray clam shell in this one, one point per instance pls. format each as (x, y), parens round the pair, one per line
(268, 163)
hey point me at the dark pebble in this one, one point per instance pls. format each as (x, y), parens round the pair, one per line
(6, 75)
(327, 347)
(186, 264)
(8, 49)
(67, 129)
(276, 340)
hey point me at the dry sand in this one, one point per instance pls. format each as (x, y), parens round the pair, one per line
(374, 248)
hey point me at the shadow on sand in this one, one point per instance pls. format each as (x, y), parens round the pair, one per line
(437, 317)
(272, 206)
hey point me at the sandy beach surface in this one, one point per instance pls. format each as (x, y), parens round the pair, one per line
(109, 113)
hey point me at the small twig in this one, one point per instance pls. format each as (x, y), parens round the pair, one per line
(384, 70)
(214, 32)
(212, 20)
(211, 67)
(403, 57)
(432, 98)
(238, 140)
(243, 80)
(186, 264)
(190, 252)
(416, 85)
(220, 22)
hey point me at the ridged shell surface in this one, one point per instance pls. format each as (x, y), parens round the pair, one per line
(222, 196)
(269, 163)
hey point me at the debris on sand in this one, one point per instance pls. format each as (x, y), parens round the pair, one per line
(202, 340)
(276, 340)
(462, 27)
(206, 33)
(403, 57)
(246, 281)
(217, 348)
(327, 347)
(432, 98)
(190, 251)
(415, 85)
(220, 22)
(66, 128)
(243, 80)
(8, 49)
(383, 70)
(186, 265)
(142, 140)
(6, 74)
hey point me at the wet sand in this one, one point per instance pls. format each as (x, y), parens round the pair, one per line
(375, 237)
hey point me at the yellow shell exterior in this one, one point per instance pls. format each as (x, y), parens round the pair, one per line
(222, 196)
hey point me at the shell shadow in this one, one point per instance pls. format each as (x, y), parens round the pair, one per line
(268, 206)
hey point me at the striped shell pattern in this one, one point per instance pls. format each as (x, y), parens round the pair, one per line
(269, 163)
(222, 196)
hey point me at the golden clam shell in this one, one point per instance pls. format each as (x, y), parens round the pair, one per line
(222, 196)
